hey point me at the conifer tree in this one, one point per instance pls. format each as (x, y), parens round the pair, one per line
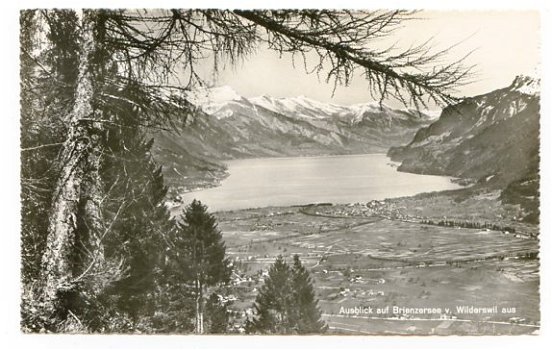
(140, 224)
(132, 215)
(286, 303)
(307, 316)
(273, 304)
(205, 251)
(47, 82)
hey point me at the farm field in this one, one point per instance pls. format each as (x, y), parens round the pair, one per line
(362, 260)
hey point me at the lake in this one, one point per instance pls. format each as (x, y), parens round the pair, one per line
(264, 182)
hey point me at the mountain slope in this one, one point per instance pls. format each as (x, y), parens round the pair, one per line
(493, 138)
(236, 127)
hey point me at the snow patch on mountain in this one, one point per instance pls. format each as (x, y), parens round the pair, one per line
(214, 101)
(300, 106)
(220, 94)
(223, 102)
(328, 108)
(526, 85)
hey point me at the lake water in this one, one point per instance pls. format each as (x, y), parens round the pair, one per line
(267, 182)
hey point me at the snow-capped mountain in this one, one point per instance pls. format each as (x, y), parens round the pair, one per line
(492, 137)
(301, 106)
(215, 100)
(222, 102)
(232, 126)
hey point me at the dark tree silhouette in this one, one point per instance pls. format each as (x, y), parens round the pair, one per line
(274, 303)
(205, 251)
(307, 316)
(286, 303)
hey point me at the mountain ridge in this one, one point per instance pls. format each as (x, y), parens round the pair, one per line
(492, 138)
(213, 100)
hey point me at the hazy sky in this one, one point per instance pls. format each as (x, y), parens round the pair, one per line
(506, 43)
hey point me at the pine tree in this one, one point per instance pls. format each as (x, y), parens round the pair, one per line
(274, 303)
(131, 217)
(41, 137)
(286, 303)
(142, 222)
(204, 248)
(307, 316)
(48, 79)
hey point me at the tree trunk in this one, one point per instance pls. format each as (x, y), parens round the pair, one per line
(78, 191)
(201, 331)
(199, 307)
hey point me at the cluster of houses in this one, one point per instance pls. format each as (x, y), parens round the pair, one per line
(385, 210)
(374, 207)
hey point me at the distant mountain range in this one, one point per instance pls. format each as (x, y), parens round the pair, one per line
(231, 126)
(492, 138)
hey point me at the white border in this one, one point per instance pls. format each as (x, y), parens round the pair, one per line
(9, 158)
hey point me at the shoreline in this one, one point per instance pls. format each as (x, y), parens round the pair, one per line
(180, 195)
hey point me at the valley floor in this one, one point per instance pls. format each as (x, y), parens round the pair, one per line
(384, 254)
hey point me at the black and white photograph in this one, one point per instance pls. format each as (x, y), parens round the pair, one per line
(271, 171)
